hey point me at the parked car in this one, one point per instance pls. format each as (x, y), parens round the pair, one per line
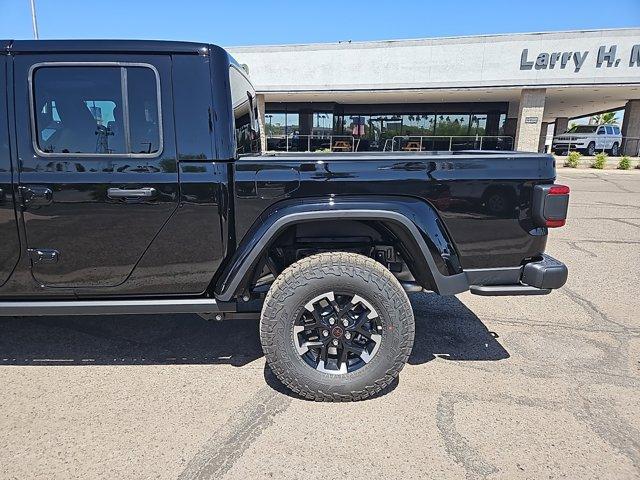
(133, 183)
(589, 139)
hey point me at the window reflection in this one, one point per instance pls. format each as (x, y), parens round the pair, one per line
(322, 123)
(379, 131)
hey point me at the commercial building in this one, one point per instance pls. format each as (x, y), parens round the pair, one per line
(493, 91)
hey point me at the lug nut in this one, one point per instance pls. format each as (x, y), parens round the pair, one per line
(332, 321)
(325, 333)
(347, 335)
(335, 342)
(345, 322)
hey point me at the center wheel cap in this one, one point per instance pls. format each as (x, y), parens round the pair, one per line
(337, 332)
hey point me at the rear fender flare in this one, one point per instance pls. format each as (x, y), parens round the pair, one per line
(430, 254)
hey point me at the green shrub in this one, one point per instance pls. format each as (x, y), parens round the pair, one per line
(599, 161)
(573, 160)
(624, 163)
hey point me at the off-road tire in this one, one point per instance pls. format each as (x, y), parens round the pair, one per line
(338, 271)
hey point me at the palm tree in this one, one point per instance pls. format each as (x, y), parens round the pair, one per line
(604, 118)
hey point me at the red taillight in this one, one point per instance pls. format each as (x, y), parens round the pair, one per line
(554, 223)
(558, 190)
(550, 203)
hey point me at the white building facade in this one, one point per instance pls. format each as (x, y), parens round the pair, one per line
(505, 89)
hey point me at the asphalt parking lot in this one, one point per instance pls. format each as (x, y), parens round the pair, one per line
(520, 387)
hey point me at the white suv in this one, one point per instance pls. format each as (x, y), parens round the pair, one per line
(589, 139)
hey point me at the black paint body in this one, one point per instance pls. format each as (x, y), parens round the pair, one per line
(472, 209)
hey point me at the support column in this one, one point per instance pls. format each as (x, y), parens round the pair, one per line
(306, 122)
(631, 128)
(493, 123)
(261, 122)
(530, 116)
(543, 136)
(561, 125)
(511, 123)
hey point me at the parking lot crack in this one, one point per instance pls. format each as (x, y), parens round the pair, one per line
(231, 441)
(592, 310)
(456, 445)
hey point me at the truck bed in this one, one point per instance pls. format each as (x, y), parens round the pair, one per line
(483, 198)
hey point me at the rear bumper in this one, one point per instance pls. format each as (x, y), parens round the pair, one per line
(534, 278)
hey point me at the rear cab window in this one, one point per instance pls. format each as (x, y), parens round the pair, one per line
(245, 111)
(96, 109)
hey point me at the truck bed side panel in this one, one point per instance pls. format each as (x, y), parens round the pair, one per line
(484, 200)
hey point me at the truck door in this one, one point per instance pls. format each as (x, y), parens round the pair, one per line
(9, 243)
(610, 137)
(601, 138)
(97, 156)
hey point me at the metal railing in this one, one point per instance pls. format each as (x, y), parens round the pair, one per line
(312, 143)
(413, 143)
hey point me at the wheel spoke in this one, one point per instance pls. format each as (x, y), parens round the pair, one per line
(359, 325)
(309, 345)
(361, 320)
(317, 318)
(341, 311)
(324, 350)
(344, 352)
(367, 356)
(356, 349)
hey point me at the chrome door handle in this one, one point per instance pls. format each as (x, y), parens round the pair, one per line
(146, 192)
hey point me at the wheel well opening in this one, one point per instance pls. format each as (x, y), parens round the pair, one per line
(374, 239)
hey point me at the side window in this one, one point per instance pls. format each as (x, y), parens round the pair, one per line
(96, 110)
(601, 131)
(144, 110)
(616, 130)
(245, 112)
(609, 130)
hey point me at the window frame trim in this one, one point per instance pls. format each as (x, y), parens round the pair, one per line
(125, 96)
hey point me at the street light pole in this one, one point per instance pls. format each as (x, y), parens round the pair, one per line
(33, 19)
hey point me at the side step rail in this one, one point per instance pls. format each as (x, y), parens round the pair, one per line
(110, 307)
(507, 290)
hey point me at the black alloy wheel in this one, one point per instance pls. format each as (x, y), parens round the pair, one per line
(338, 333)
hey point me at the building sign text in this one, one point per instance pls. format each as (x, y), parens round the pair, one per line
(607, 56)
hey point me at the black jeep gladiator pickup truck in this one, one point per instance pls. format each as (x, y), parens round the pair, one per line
(131, 181)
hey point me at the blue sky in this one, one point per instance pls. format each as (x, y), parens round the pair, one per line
(251, 22)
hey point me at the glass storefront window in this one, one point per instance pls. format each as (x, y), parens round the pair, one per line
(378, 131)
(358, 126)
(322, 123)
(275, 123)
(418, 125)
(452, 124)
(503, 120)
(478, 125)
(281, 123)
(292, 124)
